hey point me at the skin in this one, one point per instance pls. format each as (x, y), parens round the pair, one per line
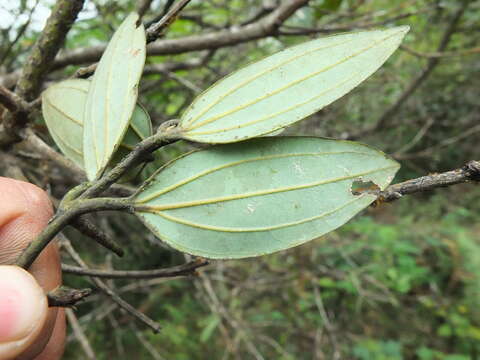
(38, 332)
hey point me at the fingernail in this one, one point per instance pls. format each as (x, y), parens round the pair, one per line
(23, 304)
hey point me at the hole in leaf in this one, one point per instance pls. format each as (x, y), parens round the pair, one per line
(360, 187)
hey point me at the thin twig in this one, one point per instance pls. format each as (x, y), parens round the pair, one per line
(66, 297)
(468, 173)
(266, 27)
(143, 6)
(418, 136)
(146, 344)
(79, 334)
(39, 62)
(12, 101)
(443, 143)
(390, 113)
(166, 7)
(46, 47)
(181, 270)
(165, 135)
(463, 52)
(62, 219)
(117, 299)
(19, 34)
(295, 30)
(156, 30)
(88, 228)
(153, 32)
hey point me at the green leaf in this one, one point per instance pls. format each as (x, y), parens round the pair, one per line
(287, 87)
(140, 128)
(63, 107)
(260, 196)
(112, 95)
(208, 331)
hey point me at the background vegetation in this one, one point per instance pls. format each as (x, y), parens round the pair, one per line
(400, 281)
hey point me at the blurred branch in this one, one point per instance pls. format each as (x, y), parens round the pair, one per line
(166, 7)
(146, 344)
(268, 26)
(153, 32)
(65, 217)
(38, 63)
(89, 229)
(65, 297)
(110, 293)
(34, 144)
(267, 7)
(440, 54)
(181, 270)
(468, 173)
(390, 113)
(293, 30)
(420, 134)
(83, 204)
(79, 334)
(12, 101)
(162, 68)
(19, 34)
(46, 47)
(443, 143)
(73, 173)
(157, 29)
(143, 6)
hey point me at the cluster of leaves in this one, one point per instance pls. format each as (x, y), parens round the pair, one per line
(233, 201)
(430, 259)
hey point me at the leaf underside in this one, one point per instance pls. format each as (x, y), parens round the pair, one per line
(63, 107)
(259, 196)
(112, 95)
(288, 86)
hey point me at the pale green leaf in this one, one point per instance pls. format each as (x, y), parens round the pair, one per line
(260, 196)
(288, 86)
(63, 107)
(112, 95)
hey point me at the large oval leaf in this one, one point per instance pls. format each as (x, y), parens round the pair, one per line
(63, 107)
(288, 86)
(260, 196)
(112, 95)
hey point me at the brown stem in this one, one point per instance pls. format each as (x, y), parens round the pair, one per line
(469, 172)
(181, 270)
(66, 297)
(110, 293)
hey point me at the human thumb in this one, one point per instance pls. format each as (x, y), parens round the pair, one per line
(23, 310)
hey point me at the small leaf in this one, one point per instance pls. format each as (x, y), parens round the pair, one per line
(260, 196)
(140, 128)
(63, 107)
(112, 95)
(288, 86)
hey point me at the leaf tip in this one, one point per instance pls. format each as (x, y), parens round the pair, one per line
(401, 30)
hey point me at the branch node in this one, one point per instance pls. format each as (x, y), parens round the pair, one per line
(473, 170)
(66, 297)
